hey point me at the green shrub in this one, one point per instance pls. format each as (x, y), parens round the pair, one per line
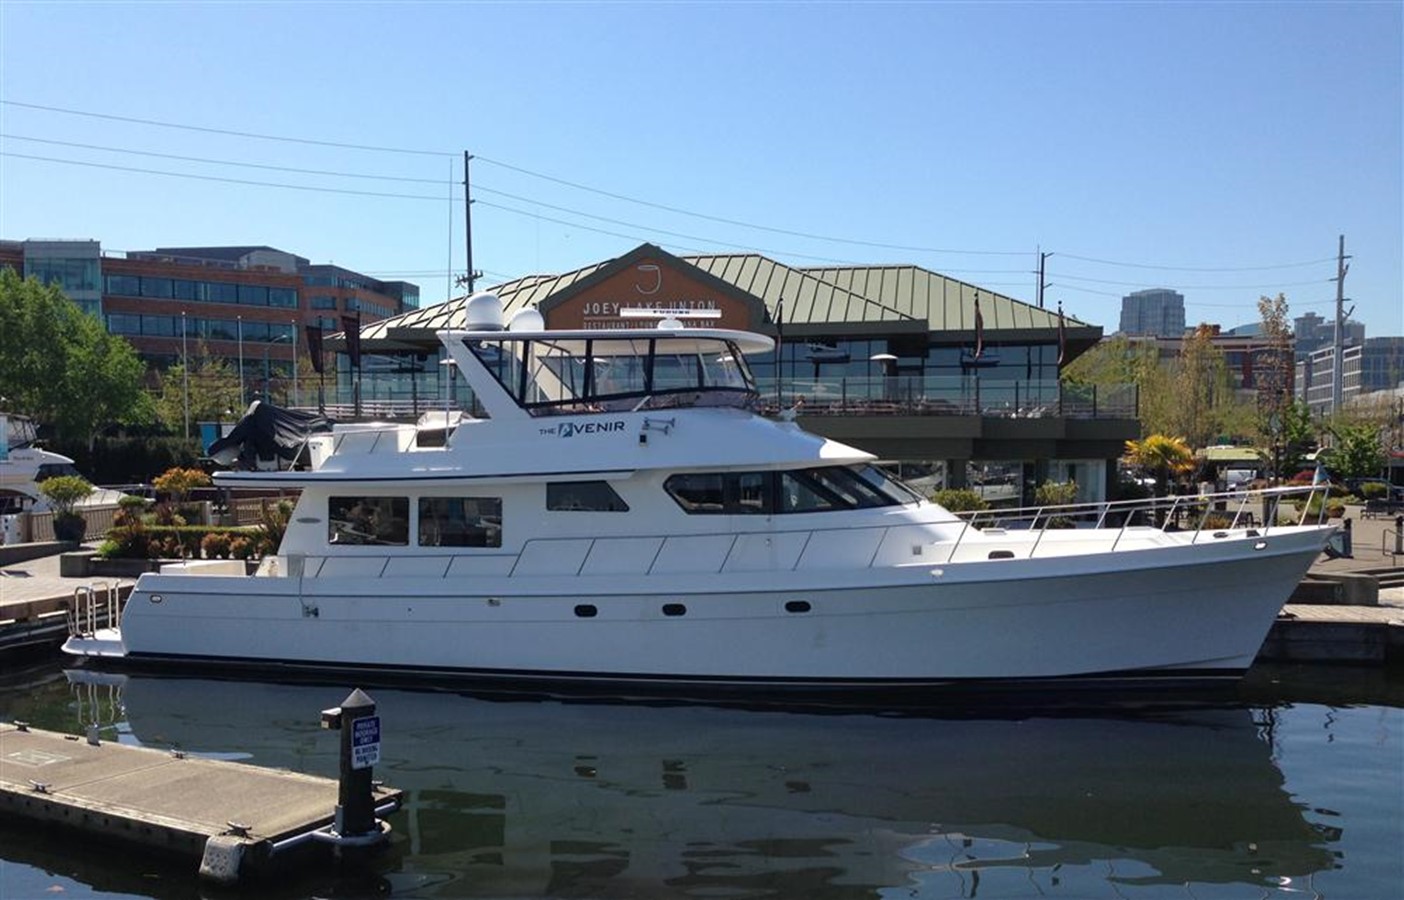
(1374, 490)
(960, 500)
(64, 492)
(215, 545)
(1055, 493)
(178, 482)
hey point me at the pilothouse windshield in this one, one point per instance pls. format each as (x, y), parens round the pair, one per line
(548, 377)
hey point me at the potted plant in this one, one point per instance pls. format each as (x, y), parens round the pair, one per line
(63, 493)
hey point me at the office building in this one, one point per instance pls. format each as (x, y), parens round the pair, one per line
(1158, 311)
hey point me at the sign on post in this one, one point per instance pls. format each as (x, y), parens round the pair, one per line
(365, 742)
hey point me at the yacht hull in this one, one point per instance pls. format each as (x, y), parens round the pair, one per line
(1177, 612)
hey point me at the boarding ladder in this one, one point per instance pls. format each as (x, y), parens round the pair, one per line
(96, 605)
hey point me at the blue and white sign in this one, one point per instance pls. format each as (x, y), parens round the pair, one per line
(365, 742)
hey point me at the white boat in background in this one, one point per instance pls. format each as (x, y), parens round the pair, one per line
(623, 515)
(23, 465)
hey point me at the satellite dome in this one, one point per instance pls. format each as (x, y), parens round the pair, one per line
(526, 319)
(483, 312)
(671, 323)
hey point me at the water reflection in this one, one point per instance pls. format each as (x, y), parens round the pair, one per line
(526, 798)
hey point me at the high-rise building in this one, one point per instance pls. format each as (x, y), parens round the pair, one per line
(1157, 311)
(1312, 332)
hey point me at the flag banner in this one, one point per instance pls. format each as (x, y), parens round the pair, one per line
(979, 329)
(314, 347)
(352, 328)
(1062, 335)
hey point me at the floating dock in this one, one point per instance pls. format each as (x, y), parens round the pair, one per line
(237, 821)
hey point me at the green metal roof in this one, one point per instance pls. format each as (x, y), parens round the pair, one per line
(870, 298)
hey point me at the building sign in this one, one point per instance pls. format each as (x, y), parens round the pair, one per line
(646, 292)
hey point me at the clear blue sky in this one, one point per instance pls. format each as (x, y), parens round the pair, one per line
(1206, 147)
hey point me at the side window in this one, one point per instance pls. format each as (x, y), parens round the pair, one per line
(799, 495)
(368, 520)
(698, 492)
(460, 521)
(752, 493)
(583, 496)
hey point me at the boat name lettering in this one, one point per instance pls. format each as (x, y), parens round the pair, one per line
(571, 429)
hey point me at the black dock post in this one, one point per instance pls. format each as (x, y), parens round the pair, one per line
(360, 751)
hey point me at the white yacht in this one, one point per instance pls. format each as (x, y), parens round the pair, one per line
(23, 465)
(620, 513)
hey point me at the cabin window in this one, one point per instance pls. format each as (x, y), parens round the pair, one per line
(583, 496)
(460, 521)
(698, 492)
(819, 489)
(368, 520)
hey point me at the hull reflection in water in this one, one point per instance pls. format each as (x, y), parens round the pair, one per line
(525, 798)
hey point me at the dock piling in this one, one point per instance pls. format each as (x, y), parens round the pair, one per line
(360, 751)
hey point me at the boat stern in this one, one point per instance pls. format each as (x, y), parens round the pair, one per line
(105, 643)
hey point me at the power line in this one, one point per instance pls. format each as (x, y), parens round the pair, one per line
(222, 162)
(247, 134)
(524, 171)
(652, 232)
(291, 187)
(740, 224)
(1197, 287)
(1110, 262)
(544, 177)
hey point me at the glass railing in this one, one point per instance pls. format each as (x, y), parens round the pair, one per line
(952, 396)
(903, 395)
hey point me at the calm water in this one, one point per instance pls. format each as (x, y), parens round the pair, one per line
(1294, 790)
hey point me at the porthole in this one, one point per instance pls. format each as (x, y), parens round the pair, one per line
(797, 606)
(674, 609)
(586, 611)
(1001, 554)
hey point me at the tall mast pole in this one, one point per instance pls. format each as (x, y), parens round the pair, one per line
(468, 222)
(1338, 337)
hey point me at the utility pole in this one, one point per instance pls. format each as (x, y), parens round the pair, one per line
(1338, 337)
(1041, 284)
(472, 275)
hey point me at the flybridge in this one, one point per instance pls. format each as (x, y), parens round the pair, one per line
(523, 367)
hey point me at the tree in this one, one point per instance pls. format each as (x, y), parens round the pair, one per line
(1203, 404)
(1117, 361)
(1272, 368)
(1162, 455)
(1296, 439)
(1356, 450)
(213, 386)
(59, 365)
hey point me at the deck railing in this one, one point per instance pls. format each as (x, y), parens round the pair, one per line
(1258, 511)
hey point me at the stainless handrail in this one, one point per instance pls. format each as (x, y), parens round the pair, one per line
(1039, 517)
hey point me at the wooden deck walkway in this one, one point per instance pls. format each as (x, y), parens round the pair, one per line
(235, 820)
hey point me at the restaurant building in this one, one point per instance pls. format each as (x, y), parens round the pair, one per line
(950, 384)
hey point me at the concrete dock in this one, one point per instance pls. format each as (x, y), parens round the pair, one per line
(235, 820)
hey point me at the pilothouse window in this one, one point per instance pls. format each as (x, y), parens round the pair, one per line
(817, 489)
(573, 375)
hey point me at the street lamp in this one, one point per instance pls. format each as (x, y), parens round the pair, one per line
(267, 369)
